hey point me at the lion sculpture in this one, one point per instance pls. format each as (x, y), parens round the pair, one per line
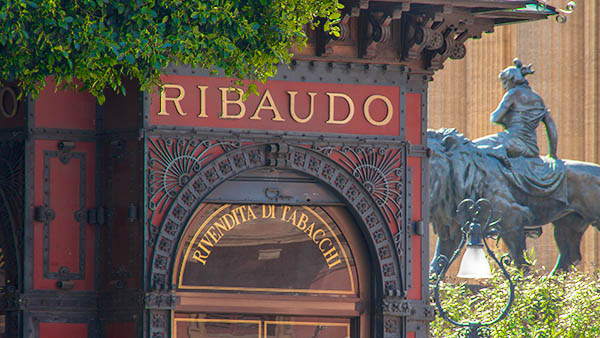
(460, 170)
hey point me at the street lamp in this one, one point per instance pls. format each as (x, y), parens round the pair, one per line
(474, 263)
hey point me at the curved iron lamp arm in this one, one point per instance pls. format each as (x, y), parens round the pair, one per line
(490, 230)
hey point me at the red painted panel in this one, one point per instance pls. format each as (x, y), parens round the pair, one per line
(413, 134)
(64, 243)
(413, 118)
(266, 119)
(411, 335)
(120, 330)
(12, 111)
(415, 291)
(63, 330)
(68, 109)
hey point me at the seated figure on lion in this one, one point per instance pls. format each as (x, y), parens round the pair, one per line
(528, 190)
(520, 112)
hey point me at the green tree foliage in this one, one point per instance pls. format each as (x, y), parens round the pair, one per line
(99, 42)
(562, 306)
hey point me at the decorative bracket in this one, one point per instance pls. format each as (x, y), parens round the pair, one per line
(378, 30)
(44, 214)
(119, 278)
(397, 307)
(10, 299)
(455, 35)
(419, 228)
(96, 215)
(117, 149)
(132, 213)
(440, 55)
(160, 300)
(275, 195)
(65, 149)
(277, 155)
(64, 276)
(327, 41)
(424, 33)
(437, 34)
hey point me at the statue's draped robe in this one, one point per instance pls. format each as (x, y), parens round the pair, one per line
(537, 176)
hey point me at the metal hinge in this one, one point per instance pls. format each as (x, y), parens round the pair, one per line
(44, 214)
(96, 216)
(419, 228)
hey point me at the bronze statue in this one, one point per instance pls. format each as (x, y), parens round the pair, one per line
(520, 112)
(527, 190)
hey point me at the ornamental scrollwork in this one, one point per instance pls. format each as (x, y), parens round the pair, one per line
(160, 300)
(10, 299)
(396, 306)
(171, 165)
(380, 170)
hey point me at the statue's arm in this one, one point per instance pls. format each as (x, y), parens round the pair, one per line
(552, 134)
(504, 107)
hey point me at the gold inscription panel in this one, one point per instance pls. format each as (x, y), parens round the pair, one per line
(271, 248)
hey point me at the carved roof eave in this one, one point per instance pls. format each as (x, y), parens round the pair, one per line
(421, 34)
(489, 4)
(501, 17)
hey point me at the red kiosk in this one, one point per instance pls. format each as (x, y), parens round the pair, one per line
(190, 212)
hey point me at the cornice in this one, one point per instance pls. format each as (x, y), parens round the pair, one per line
(419, 34)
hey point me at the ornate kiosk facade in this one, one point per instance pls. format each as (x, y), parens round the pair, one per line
(193, 211)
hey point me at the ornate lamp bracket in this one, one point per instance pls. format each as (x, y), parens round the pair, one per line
(475, 212)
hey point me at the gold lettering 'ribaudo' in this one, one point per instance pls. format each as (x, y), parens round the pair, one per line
(377, 110)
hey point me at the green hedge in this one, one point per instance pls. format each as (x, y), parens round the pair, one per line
(566, 305)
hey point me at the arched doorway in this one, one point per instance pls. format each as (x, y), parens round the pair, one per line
(256, 267)
(256, 176)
